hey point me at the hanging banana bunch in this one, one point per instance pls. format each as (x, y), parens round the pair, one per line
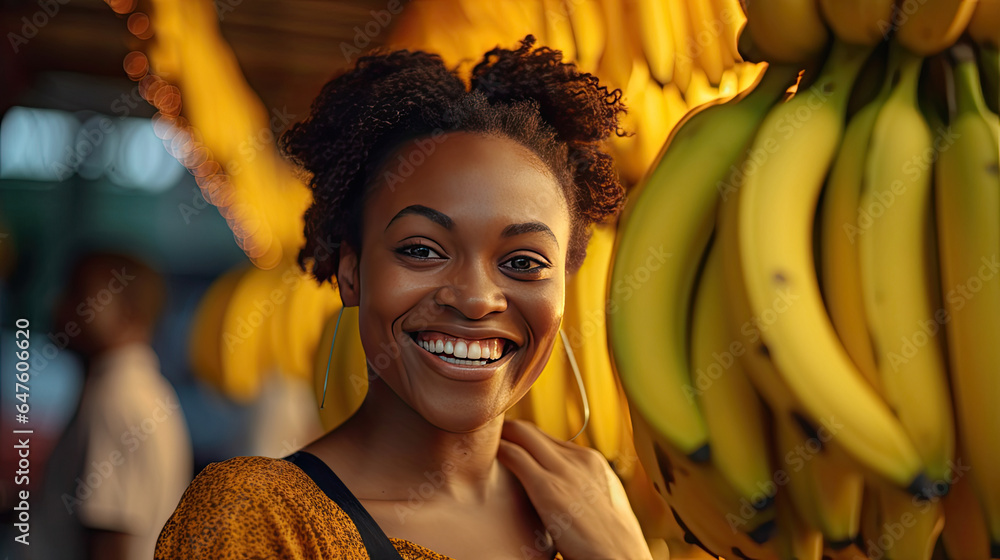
(650, 49)
(851, 232)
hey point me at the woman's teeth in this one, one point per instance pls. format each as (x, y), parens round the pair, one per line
(463, 352)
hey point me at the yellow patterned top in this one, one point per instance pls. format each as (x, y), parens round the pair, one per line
(257, 507)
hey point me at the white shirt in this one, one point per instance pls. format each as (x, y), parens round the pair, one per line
(122, 464)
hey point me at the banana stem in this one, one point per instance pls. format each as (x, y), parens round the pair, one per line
(777, 78)
(909, 75)
(968, 88)
(841, 68)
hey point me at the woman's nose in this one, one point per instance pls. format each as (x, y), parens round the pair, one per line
(473, 292)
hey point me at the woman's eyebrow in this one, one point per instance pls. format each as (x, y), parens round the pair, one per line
(528, 227)
(431, 214)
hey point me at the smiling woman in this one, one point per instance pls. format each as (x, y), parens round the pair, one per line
(459, 211)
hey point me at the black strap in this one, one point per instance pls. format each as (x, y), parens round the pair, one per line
(377, 544)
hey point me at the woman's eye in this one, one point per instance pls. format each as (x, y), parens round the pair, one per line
(418, 252)
(525, 264)
(521, 263)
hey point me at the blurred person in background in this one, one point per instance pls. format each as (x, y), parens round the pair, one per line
(125, 458)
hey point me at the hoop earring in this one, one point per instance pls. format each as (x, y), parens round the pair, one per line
(330, 359)
(579, 383)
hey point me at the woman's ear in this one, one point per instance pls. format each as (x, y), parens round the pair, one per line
(348, 275)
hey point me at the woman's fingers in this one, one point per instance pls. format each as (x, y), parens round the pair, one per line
(520, 462)
(550, 453)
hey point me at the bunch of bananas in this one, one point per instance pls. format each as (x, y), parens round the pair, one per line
(667, 56)
(826, 324)
(253, 322)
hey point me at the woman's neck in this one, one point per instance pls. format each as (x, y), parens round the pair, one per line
(387, 451)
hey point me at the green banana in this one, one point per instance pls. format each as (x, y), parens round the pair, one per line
(967, 202)
(662, 237)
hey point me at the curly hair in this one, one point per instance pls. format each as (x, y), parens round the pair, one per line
(527, 95)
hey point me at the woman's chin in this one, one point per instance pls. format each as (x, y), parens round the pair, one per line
(459, 420)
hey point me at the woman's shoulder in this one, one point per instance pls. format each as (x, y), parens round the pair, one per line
(248, 473)
(248, 506)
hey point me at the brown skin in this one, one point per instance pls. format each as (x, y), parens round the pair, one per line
(422, 452)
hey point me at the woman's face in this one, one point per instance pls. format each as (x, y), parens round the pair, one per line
(462, 275)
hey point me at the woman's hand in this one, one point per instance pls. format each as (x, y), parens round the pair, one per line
(576, 494)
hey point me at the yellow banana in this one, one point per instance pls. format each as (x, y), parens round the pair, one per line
(910, 527)
(839, 233)
(825, 486)
(700, 501)
(680, 34)
(617, 59)
(348, 382)
(730, 84)
(967, 201)
(549, 402)
(789, 31)
(658, 122)
(730, 14)
(585, 325)
(965, 536)
(206, 340)
(628, 150)
(777, 206)
(748, 72)
(822, 483)
(796, 539)
(744, 327)
(737, 433)
(246, 351)
(861, 22)
(676, 107)
(984, 26)
(989, 57)
(648, 505)
(589, 31)
(897, 261)
(662, 236)
(699, 90)
(932, 26)
(558, 30)
(705, 43)
(655, 28)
